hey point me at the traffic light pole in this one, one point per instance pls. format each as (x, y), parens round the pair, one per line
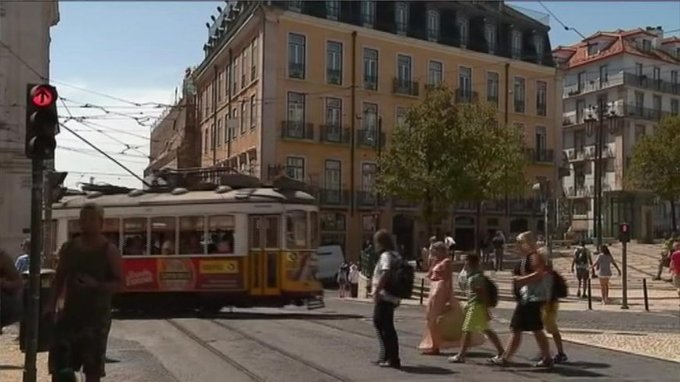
(32, 316)
(624, 265)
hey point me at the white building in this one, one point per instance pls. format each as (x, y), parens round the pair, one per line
(636, 73)
(24, 36)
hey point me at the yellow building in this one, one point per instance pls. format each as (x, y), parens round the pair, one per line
(313, 90)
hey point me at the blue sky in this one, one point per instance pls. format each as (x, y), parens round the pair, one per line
(138, 51)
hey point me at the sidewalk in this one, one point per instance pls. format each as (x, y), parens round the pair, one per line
(12, 359)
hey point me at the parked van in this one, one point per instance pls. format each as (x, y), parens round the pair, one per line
(330, 258)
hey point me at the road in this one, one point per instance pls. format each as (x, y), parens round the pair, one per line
(337, 343)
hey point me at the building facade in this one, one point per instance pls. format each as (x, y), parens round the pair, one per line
(635, 74)
(313, 90)
(24, 36)
(175, 137)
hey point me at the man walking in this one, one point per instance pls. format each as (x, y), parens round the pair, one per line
(498, 243)
(385, 303)
(581, 262)
(88, 273)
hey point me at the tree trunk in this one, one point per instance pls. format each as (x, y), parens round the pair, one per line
(478, 225)
(674, 223)
(428, 214)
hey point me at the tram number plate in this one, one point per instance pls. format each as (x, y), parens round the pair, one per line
(218, 266)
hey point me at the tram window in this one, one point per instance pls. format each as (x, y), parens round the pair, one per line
(135, 236)
(272, 232)
(314, 221)
(163, 236)
(111, 230)
(191, 235)
(221, 234)
(296, 229)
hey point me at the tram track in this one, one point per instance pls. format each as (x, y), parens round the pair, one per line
(210, 348)
(285, 353)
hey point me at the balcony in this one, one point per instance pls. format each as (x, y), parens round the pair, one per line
(368, 199)
(466, 96)
(593, 85)
(370, 138)
(297, 130)
(542, 109)
(635, 111)
(644, 82)
(580, 191)
(404, 87)
(540, 156)
(333, 134)
(296, 70)
(370, 82)
(334, 76)
(519, 106)
(333, 197)
(433, 34)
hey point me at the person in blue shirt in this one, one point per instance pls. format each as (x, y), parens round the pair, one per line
(23, 262)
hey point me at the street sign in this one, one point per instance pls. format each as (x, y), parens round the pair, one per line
(42, 96)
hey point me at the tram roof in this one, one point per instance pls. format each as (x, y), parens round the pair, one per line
(183, 196)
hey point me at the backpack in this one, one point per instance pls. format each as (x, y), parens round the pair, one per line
(491, 292)
(400, 277)
(581, 256)
(559, 287)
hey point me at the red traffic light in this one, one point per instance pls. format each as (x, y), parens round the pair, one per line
(43, 95)
(624, 227)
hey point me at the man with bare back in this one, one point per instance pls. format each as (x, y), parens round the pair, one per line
(88, 274)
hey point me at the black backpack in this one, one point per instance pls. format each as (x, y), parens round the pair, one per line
(400, 277)
(559, 289)
(491, 292)
(581, 256)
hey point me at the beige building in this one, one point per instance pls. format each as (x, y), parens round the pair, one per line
(24, 36)
(314, 89)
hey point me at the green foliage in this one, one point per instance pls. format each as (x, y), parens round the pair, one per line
(655, 163)
(447, 153)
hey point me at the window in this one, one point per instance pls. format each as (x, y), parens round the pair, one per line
(205, 141)
(581, 81)
(370, 69)
(656, 74)
(540, 47)
(401, 17)
(432, 25)
(541, 98)
(516, 44)
(491, 37)
(227, 81)
(404, 70)
(656, 105)
(369, 121)
(540, 141)
(333, 228)
(296, 56)
(519, 95)
(646, 45)
(368, 178)
(674, 77)
(638, 69)
(234, 116)
(368, 12)
(295, 168)
(332, 9)
(463, 31)
(639, 102)
(244, 114)
(218, 137)
(296, 107)
(492, 83)
(234, 76)
(295, 5)
(244, 68)
(221, 234)
(296, 230)
(163, 236)
(227, 129)
(465, 84)
(332, 179)
(402, 113)
(604, 75)
(191, 235)
(135, 236)
(334, 63)
(254, 56)
(592, 49)
(434, 76)
(253, 112)
(333, 130)
(675, 107)
(219, 86)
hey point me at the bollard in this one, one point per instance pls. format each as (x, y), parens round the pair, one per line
(422, 290)
(644, 293)
(590, 296)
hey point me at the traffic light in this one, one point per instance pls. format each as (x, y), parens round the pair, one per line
(624, 232)
(55, 181)
(42, 121)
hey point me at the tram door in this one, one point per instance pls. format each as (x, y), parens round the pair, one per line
(264, 255)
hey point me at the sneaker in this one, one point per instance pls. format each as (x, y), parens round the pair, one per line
(498, 361)
(547, 363)
(392, 364)
(456, 358)
(560, 358)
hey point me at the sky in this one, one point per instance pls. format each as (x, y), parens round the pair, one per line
(109, 54)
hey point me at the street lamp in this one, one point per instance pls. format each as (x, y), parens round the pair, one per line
(595, 123)
(541, 189)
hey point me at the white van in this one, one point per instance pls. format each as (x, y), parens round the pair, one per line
(330, 258)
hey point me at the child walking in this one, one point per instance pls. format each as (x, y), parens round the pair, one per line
(477, 314)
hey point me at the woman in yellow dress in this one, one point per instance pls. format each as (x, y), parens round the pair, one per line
(444, 314)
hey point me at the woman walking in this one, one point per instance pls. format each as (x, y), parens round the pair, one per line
(443, 309)
(604, 264)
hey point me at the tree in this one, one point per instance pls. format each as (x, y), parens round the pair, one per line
(655, 163)
(420, 164)
(494, 160)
